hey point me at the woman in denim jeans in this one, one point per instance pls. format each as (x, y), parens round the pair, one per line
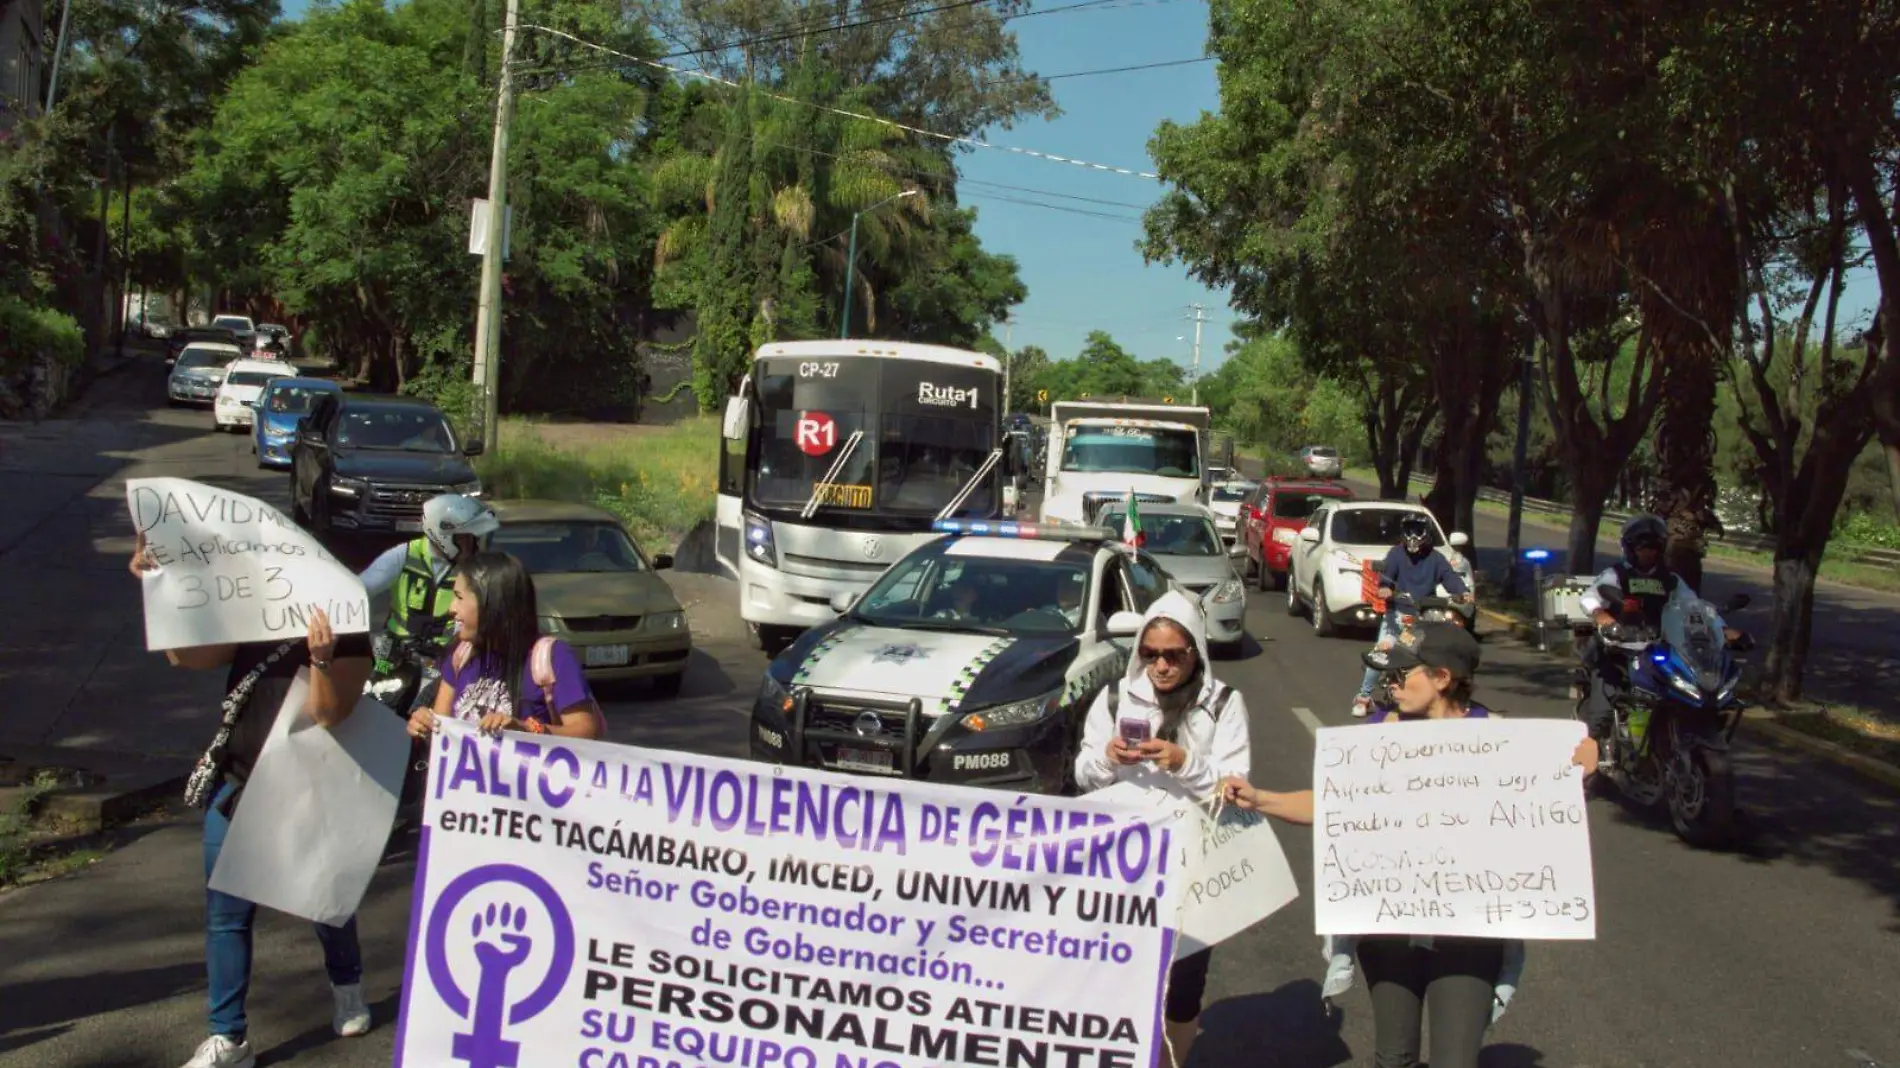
(258, 677)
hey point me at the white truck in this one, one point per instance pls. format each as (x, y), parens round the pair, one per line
(1099, 451)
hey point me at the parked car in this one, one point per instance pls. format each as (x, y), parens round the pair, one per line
(1322, 461)
(198, 371)
(194, 335)
(244, 381)
(1327, 575)
(1272, 519)
(240, 325)
(1226, 498)
(597, 591)
(1184, 542)
(282, 406)
(365, 463)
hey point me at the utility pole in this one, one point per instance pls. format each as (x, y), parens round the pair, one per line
(1198, 319)
(59, 53)
(488, 310)
(1514, 529)
(851, 258)
(125, 263)
(1009, 357)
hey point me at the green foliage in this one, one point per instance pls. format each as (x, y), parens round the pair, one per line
(29, 332)
(1104, 369)
(660, 482)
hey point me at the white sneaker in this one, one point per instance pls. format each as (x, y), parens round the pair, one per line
(220, 1051)
(352, 1012)
(1361, 707)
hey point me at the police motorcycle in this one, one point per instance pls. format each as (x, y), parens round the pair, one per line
(1411, 611)
(1674, 720)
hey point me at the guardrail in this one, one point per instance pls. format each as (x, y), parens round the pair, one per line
(1746, 542)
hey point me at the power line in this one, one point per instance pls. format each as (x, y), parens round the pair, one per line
(1122, 70)
(918, 130)
(961, 182)
(1056, 207)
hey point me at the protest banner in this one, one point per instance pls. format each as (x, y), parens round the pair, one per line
(233, 569)
(1452, 827)
(588, 904)
(316, 811)
(1237, 874)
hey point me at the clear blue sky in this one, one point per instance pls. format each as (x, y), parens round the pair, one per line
(1077, 255)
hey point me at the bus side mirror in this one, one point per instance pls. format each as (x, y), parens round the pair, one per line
(738, 414)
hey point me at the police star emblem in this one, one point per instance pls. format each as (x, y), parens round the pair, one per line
(899, 654)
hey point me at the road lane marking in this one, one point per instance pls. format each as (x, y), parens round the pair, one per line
(1306, 717)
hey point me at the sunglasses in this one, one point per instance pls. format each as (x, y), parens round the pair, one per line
(1173, 657)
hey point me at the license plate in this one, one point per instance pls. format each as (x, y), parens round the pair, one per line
(408, 526)
(863, 759)
(606, 655)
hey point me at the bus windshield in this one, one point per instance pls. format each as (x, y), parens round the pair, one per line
(1133, 450)
(925, 430)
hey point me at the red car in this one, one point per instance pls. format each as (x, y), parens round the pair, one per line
(1273, 517)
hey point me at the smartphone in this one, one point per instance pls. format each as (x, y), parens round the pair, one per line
(1134, 731)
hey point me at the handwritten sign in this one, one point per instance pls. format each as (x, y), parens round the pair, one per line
(233, 569)
(1452, 827)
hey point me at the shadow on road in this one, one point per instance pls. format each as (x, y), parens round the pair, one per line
(1285, 1028)
(40, 1009)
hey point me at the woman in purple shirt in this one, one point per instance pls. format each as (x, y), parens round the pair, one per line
(488, 675)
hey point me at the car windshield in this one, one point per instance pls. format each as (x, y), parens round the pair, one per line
(565, 546)
(1323, 453)
(1232, 491)
(248, 378)
(1296, 504)
(1373, 526)
(271, 328)
(407, 429)
(231, 322)
(293, 399)
(935, 588)
(196, 358)
(1133, 450)
(1179, 535)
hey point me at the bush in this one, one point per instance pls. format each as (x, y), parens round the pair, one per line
(661, 482)
(28, 331)
(1870, 530)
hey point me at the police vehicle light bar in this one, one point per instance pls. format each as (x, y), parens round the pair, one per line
(1537, 556)
(1003, 529)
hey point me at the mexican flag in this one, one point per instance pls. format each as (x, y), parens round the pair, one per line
(1131, 523)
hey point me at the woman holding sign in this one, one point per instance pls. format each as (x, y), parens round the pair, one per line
(1462, 983)
(501, 673)
(1169, 726)
(258, 677)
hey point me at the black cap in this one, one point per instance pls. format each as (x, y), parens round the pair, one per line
(1439, 645)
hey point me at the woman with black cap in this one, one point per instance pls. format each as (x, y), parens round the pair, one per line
(1463, 983)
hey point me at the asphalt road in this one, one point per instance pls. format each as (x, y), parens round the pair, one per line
(1783, 953)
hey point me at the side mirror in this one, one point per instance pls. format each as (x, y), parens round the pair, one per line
(474, 447)
(1237, 550)
(1124, 624)
(1459, 539)
(738, 415)
(662, 561)
(1736, 603)
(842, 601)
(1309, 535)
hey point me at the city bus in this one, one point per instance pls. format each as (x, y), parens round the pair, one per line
(836, 459)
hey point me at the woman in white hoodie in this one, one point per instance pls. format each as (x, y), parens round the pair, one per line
(1171, 727)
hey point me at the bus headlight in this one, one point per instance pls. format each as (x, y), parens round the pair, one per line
(759, 547)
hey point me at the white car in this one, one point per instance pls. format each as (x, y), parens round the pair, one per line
(198, 371)
(241, 325)
(1225, 499)
(1326, 570)
(244, 382)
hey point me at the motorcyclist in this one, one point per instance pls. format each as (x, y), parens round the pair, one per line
(1647, 587)
(1414, 568)
(419, 571)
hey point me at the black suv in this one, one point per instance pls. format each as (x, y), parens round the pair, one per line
(366, 463)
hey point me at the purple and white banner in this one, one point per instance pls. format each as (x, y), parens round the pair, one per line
(602, 906)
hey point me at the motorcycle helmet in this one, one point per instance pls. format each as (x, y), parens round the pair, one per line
(451, 514)
(1640, 529)
(1416, 532)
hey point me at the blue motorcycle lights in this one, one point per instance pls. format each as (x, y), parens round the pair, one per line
(1536, 556)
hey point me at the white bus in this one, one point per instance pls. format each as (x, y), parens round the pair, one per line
(837, 457)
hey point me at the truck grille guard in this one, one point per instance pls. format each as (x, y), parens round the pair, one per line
(818, 717)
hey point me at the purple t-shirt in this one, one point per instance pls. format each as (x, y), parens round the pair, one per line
(1380, 715)
(480, 689)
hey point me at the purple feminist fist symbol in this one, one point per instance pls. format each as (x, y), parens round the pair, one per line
(501, 945)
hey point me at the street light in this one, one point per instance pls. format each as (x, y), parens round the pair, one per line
(851, 258)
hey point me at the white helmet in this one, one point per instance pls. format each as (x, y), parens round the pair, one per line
(451, 514)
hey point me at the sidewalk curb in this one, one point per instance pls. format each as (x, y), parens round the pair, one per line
(1880, 771)
(95, 810)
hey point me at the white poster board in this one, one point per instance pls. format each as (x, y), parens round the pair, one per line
(233, 569)
(311, 825)
(1452, 827)
(1237, 874)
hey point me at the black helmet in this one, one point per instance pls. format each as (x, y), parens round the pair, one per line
(1642, 528)
(1416, 532)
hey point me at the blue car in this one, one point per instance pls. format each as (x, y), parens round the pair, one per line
(280, 408)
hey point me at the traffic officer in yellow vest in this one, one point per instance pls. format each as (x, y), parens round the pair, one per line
(419, 571)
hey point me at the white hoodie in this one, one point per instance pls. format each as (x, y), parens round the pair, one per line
(1216, 748)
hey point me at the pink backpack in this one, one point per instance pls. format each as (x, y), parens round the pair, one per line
(540, 668)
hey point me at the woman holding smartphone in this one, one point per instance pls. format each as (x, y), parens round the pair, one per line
(1169, 726)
